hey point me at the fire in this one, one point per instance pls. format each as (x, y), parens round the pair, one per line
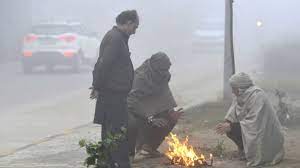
(181, 153)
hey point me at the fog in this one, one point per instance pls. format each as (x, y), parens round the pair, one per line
(266, 51)
(161, 28)
(167, 28)
(279, 23)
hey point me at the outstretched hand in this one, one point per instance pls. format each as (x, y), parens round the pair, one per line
(175, 115)
(223, 128)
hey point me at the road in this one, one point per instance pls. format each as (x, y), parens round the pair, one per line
(41, 104)
(19, 89)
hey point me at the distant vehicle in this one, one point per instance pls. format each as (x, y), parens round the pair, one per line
(208, 40)
(209, 37)
(63, 43)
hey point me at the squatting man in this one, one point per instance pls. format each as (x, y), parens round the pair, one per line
(252, 124)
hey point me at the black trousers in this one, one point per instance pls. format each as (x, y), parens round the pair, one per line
(140, 133)
(113, 111)
(235, 135)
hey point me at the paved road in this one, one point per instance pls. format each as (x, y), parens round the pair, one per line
(41, 104)
(18, 89)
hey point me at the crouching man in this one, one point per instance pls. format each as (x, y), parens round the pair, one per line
(252, 124)
(151, 106)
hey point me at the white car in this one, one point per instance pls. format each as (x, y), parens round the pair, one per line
(53, 44)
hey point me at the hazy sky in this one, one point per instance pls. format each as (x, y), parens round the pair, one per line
(280, 21)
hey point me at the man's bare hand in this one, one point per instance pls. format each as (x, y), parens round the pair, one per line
(176, 114)
(223, 128)
(94, 93)
(159, 122)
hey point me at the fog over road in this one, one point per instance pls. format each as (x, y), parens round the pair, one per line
(18, 89)
(41, 104)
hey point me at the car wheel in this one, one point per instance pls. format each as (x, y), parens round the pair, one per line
(77, 62)
(50, 68)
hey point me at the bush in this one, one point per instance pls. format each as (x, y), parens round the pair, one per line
(99, 152)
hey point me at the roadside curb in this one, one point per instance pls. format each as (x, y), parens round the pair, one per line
(46, 139)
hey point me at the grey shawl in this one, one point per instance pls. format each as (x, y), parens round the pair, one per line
(261, 131)
(150, 92)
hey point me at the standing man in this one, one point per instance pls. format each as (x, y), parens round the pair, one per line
(112, 81)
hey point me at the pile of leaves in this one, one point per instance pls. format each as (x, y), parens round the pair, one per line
(99, 151)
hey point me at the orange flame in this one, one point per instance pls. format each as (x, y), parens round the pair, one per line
(181, 153)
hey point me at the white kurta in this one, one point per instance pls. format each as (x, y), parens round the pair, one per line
(261, 130)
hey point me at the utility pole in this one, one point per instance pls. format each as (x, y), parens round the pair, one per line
(229, 63)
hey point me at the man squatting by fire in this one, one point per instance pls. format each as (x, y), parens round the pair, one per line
(151, 106)
(251, 123)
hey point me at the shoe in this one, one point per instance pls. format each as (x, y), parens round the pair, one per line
(155, 154)
(242, 155)
(143, 154)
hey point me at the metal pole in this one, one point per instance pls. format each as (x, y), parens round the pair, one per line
(229, 63)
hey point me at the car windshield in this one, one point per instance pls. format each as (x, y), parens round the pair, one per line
(54, 29)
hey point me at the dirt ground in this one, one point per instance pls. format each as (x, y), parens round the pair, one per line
(198, 124)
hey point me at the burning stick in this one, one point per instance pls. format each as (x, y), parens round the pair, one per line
(211, 159)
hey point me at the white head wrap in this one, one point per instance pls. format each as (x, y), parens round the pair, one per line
(240, 80)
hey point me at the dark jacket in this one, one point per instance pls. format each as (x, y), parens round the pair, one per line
(113, 71)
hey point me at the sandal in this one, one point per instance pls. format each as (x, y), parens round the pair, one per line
(144, 154)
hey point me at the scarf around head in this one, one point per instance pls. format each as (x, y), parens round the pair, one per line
(240, 80)
(153, 73)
